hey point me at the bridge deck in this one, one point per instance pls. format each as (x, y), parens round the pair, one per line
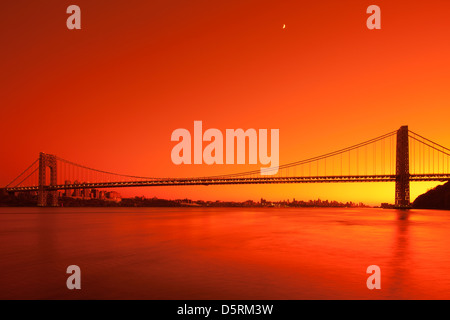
(239, 180)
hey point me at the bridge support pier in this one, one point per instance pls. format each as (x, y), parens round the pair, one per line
(402, 196)
(47, 160)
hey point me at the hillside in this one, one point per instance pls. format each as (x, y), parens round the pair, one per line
(437, 198)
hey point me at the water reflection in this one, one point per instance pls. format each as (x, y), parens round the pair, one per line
(399, 264)
(192, 253)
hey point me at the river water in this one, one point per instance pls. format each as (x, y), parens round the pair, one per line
(224, 253)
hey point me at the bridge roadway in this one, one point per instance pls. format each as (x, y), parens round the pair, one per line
(236, 180)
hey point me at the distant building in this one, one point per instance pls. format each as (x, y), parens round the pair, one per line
(68, 192)
(77, 192)
(113, 196)
(86, 193)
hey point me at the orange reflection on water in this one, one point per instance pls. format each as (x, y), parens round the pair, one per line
(223, 253)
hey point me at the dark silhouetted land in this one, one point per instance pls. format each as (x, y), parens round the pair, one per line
(437, 198)
(30, 200)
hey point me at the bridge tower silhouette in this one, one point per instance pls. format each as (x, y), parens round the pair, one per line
(47, 160)
(402, 197)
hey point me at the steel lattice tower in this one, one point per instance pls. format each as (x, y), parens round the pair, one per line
(402, 198)
(47, 160)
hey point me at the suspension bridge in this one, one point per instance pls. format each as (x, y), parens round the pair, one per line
(400, 156)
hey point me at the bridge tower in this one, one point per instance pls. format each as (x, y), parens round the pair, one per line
(402, 199)
(47, 160)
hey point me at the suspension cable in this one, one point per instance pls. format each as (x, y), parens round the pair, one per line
(21, 173)
(102, 171)
(429, 141)
(448, 154)
(26, 177)
(301, 162)
(327, 155)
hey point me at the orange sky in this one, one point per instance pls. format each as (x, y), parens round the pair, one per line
(110, 95)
